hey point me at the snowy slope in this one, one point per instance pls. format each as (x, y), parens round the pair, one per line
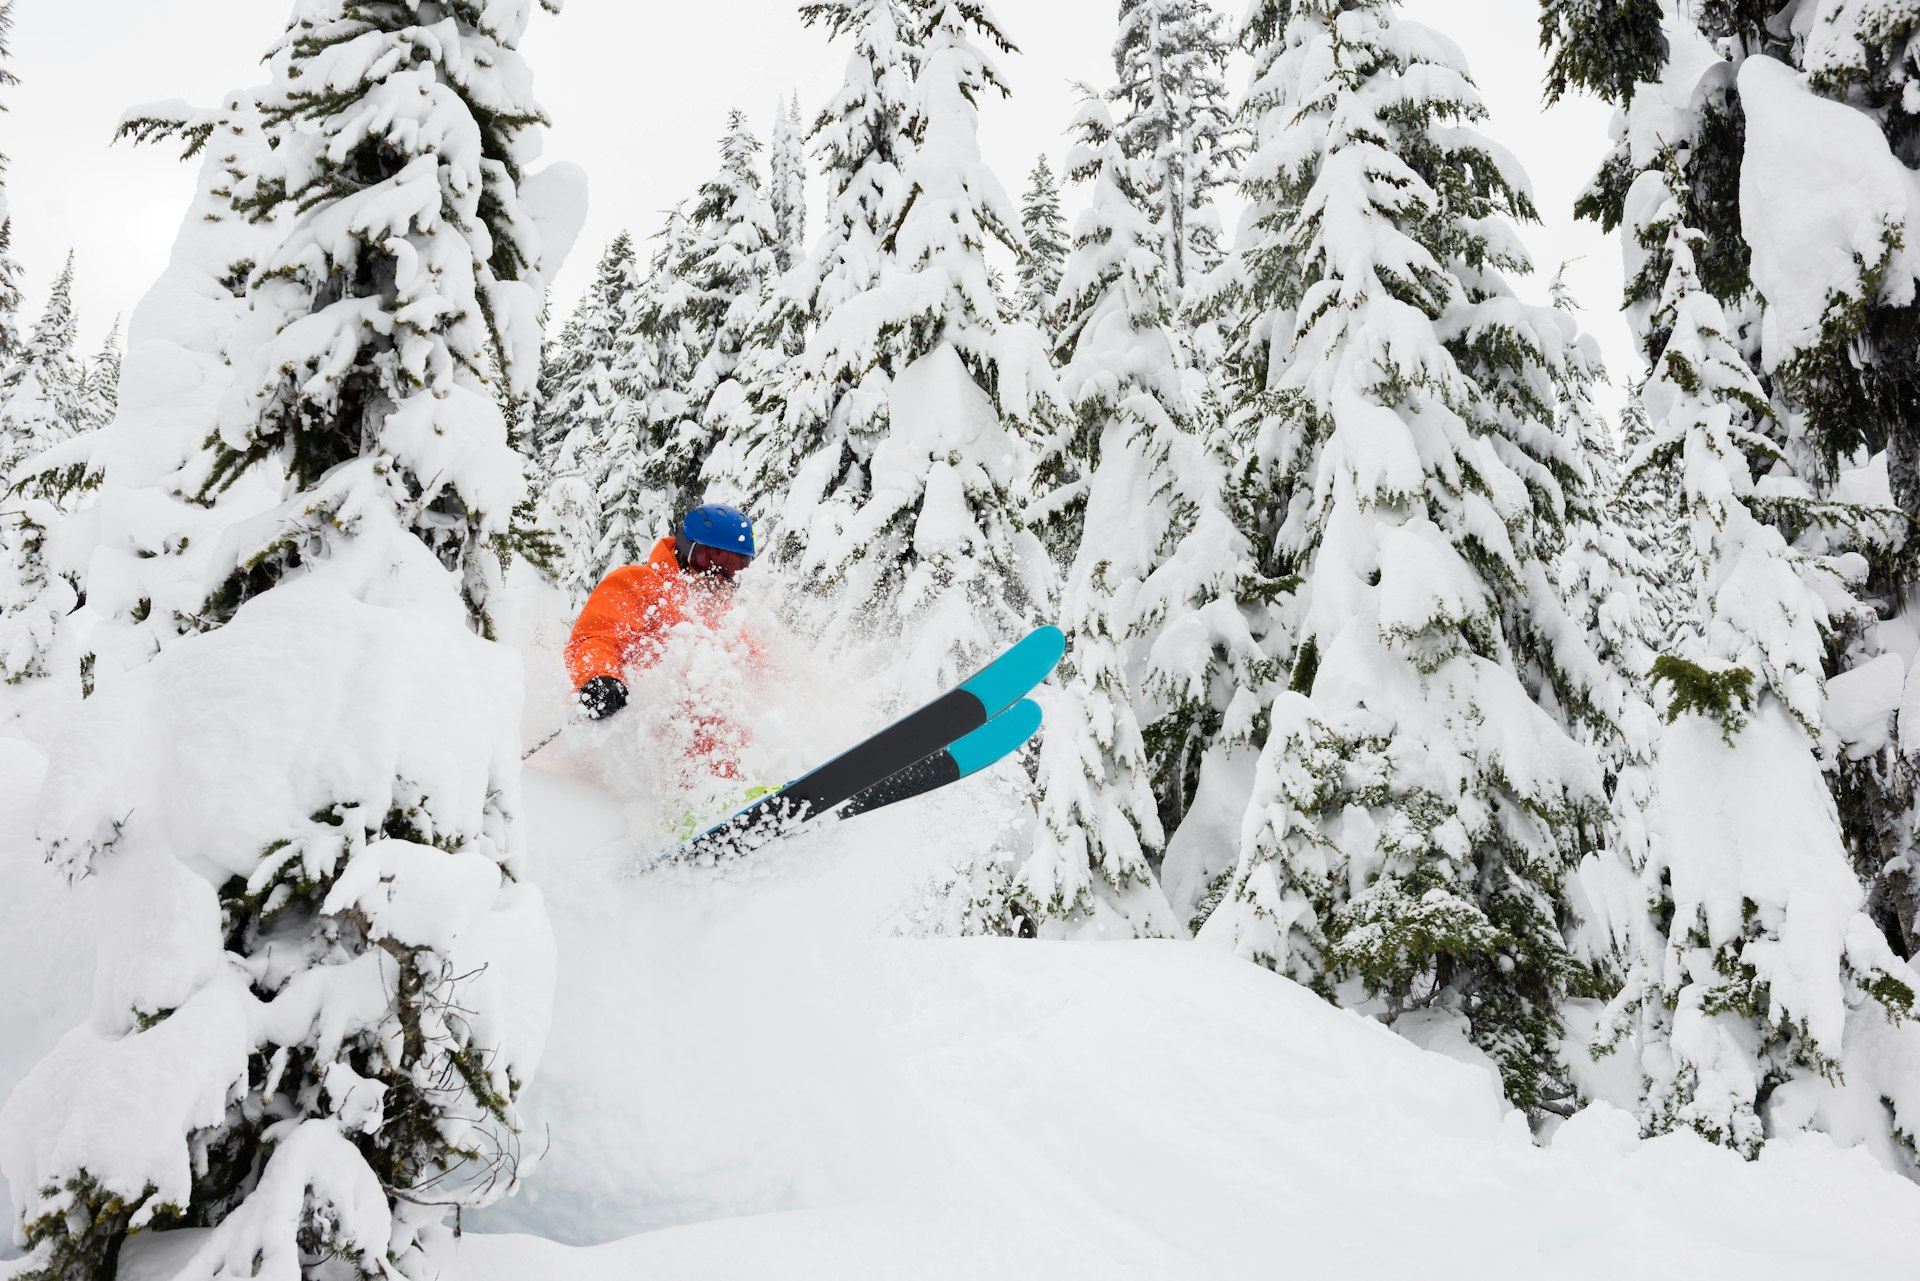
(747, 1073)
(751, 1074)
(46, 942)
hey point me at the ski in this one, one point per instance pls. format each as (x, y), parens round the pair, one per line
(998, 739)
(920, 734)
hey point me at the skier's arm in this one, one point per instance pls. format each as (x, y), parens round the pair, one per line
(609, 623)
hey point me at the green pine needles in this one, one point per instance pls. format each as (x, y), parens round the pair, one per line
(1725, 696)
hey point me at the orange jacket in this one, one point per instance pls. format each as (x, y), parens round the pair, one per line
(627, 617)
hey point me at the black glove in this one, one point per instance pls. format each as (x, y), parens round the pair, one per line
(602, 697)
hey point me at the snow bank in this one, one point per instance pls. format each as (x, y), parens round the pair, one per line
(46, 938)
(746, 1073)
(750, 1075)
(872, 1107)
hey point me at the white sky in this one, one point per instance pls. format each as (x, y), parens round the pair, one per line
(638, 93)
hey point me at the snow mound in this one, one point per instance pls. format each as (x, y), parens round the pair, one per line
(46, 936)
(750, 1075)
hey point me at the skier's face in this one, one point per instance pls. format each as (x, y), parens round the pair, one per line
(716, 563)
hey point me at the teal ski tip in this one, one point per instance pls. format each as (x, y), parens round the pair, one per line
(1028, 663)
(1002, 736)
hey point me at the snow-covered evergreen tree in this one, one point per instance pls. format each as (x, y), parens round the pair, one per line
(1175, 125)
(1610, 589)
(49, 401)
(10, 295)
(1045, 228)
(1247, 295)
(43, 394)
(632, 513)
(1607, 582)
(1675, 110)
(787, 185)
(7, 78)
(1789, 208)
(1211, 678)
(9, 269)
(581, 395)
(1858, 379)
(1762, 989)
(653, 371)
(1605, 48)
(753, 449)
(754, 455)
(1130, 390)
(458, 502)
(139, 558)
(936, 536)
(1825, 206)
(586, 392)
(1676, 95)
(836, 408)
(560, 361)
(1419, 799)
(1644, 504)
(45, 402)
(103, 380)
(33, 599)
(726, 264)
(311, 1023)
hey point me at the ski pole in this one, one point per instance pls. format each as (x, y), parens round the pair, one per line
(543, 742)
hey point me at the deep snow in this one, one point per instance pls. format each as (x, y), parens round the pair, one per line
(46, 953)
(750, 1072)
(754, 1067)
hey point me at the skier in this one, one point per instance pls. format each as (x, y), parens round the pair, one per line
(626, 620)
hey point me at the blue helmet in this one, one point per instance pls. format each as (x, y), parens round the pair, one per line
(720, 526)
